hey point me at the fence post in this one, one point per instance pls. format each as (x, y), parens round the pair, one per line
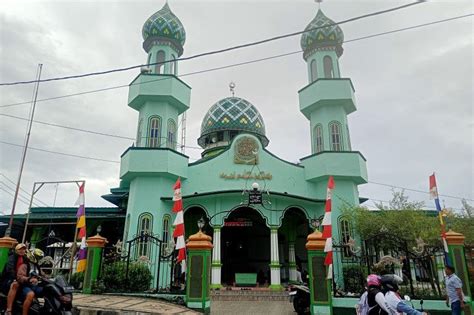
(456, 253)
(320, 287)
(6, 243)
(198, 272)
(95, 245)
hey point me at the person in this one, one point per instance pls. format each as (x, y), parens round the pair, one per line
(377, 305)
(299, 278)
(390, 285)
(454, 294)
(28, 277)
(9, 285)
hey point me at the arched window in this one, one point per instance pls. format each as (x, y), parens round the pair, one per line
(166, 231)
(145, 226)
(160, 58)
(346, 234)
(171, 137)
(318, 138)
(348, 138)
(154, 132)
(173, 65)
(328, 69)
(335, 136)
(314, 73)
(139, 132)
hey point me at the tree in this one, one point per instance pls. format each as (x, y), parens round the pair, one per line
(467, 209)
(400, 202)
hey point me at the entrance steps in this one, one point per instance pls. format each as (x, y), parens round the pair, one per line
(248, 294)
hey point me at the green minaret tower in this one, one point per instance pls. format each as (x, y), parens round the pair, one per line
(326, 101)
(158, 95)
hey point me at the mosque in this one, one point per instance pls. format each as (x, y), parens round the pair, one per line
(257, 207)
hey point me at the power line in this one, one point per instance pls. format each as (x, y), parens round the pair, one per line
(416, 190)
(240, 63)
(219, 51)
(26, 203)
(427, 208)
(60, 153)
(27, 193)
(20, 198)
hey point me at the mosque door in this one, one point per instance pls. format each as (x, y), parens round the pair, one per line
(245, 245)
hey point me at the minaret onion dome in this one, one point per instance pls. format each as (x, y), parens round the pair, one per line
(322, 38)
(164, 27)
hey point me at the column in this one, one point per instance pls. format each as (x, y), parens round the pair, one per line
(320, 287)
(275, 283)
(198, 272)
(458, 261)
(216, 259)
(6, 243)
(292, 261)
(95, 244)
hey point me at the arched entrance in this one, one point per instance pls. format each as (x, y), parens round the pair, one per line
(245, 240)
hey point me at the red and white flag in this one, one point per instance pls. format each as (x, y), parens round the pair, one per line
(178, 224)
(327, 227)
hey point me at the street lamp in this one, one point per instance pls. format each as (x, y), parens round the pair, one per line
(201, 224)
(255, 186)
(99, 229)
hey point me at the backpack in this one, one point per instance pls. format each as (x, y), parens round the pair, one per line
(363, 304)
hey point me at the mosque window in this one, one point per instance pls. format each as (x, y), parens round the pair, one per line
(139, 132)
(160, 59)
(145, 224)
(171, 138)
(173, 69)
(154, 133)
(348, 138)
(314, 73)
(336, 136)
(166, 230)
(346, 234)
(318, 137)
(328, 69)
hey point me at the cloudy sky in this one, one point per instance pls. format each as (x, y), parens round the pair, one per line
(414, 89)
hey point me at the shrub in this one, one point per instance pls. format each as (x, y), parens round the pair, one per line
(114, 277)
(77, 280)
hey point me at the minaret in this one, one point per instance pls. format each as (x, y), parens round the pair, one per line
(158, 95)
(326, 101)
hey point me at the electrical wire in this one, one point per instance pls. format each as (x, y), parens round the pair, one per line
(238, 64)
(20, 197)
(27, 193)
(219, 51)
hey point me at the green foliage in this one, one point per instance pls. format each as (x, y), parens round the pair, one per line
(462, 224)
(353, 277)
(98, 287)
(114, 277)
(77, 280)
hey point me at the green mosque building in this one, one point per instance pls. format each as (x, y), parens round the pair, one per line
(257, 207)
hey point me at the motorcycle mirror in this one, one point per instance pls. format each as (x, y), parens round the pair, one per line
(407, 298)
(421, 302)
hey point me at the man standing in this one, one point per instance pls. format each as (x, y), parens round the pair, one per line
(10, 285)
(454, 295)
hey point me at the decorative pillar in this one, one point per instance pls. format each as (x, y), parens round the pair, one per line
(458, 259)
(292, 261)
(320, 287)
(198, 272)
(6, 243)
(216, 259)
(95, 245)
(275, 283)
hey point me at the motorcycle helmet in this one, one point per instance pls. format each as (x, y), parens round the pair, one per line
(35, 255)
(391, 282)
(373, 280)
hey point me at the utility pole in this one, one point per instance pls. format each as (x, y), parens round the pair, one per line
(25, 149)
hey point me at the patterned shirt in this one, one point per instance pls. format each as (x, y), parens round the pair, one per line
(452, 283)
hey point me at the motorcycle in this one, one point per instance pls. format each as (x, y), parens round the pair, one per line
(56, 296)
(300, 298)
(408, 299)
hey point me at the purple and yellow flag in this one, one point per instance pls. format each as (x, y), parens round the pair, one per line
(81, 226)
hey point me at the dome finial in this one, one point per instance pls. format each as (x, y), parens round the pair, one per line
(232, 87)
(317, 1)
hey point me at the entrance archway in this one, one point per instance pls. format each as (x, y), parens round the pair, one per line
(245, 245)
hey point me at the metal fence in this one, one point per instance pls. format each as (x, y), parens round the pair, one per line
(420, 266)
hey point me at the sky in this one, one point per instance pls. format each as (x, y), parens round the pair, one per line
(414, 89)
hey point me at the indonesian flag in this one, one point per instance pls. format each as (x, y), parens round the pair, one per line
(81, 235)
(327, 227)
(178, 224)
(434, 195)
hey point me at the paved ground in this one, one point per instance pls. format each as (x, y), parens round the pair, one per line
(108, 304)
(112, 305)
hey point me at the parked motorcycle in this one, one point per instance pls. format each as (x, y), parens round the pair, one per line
(56, 299)
(300, 297)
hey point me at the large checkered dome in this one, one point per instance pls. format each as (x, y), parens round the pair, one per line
(165, 25)
(233, 113)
